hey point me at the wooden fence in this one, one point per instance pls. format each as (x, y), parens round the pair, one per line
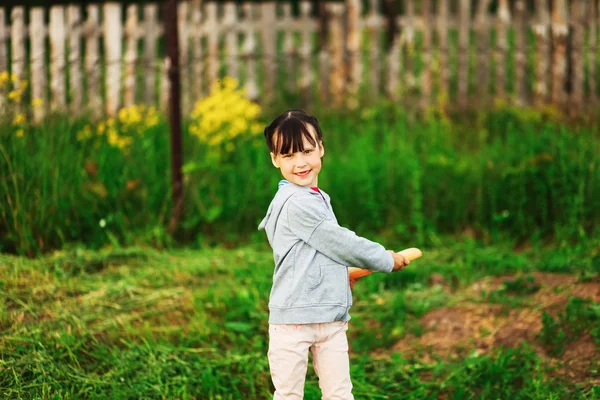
(103, 57)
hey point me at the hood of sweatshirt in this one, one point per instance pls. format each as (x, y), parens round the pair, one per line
(285, 190)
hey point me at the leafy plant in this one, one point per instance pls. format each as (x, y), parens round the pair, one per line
(579, 318)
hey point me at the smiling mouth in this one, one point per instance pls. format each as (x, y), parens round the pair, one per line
(302, 174)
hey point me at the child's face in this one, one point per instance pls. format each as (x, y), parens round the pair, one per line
(302, 167)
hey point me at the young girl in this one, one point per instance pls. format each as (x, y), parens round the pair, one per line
(310, 297)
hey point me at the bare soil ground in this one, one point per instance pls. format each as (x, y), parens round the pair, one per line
(475, 326)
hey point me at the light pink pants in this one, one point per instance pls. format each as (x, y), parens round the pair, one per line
(288, 359)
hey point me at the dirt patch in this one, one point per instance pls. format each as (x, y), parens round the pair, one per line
(450, 331)
(587, 290)
(579, 361)
(520, 325)
(456, 331)
(451, 327)
(546, 280)
(553, 280)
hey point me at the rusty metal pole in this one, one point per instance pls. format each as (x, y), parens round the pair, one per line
(174, 113)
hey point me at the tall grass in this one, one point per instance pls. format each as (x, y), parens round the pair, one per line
(504, 174)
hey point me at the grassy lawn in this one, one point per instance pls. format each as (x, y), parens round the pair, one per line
(465, 321)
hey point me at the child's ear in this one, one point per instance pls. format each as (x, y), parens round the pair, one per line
(322, 149)
(274, 160)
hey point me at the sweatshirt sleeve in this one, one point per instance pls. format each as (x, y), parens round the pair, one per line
(308, 219)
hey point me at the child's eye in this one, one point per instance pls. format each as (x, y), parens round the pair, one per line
(287, 156)
(308, 151)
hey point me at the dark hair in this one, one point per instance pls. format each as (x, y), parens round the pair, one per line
(291, 127)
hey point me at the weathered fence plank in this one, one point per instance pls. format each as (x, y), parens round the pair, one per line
(442, 31)
(38, 62)
(520, 75)
(268, 36)
(560, 31)
(393, 49)
(482, 33)
(230, 22)
(463, 52)
(592, 49)
(183, 29)
(426, 76)
(577, 54)
(92, 60)
(18, 46)
(336, 51)
(249, 53)
(151, 62)
(197, 49)
(392, 84)
(353, 46)
(131, 57)
(373, 25)
(75, 76)
(413, 65)
(212, 37)
(113, 33)
(3, 42)
(58, 62)
(502, 23)
(289, 50)
(541, 30)
(306, 72)
(409, 31)
(165, 85)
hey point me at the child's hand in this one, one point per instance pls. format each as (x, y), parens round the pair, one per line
(400, 261)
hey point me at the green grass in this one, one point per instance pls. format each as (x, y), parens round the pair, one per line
(140, 323)
(509, 175)
(579, 318)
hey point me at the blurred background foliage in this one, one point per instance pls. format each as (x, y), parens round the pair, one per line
(512, 174)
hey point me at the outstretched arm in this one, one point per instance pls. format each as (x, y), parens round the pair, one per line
(401, 259)
(309, 220)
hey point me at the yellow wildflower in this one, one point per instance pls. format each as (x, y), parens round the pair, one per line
(113, 137)
(123, 142)
(229, 84)
(86, 133)
(152, 121)
(224, 115)
(37, 102)
(137, 119)
(122, 114)
(15, 95)
(20, 133)
(215, 140)
(4, 78)
(19, 119)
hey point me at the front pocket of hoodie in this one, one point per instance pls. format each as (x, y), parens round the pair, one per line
(330, 286)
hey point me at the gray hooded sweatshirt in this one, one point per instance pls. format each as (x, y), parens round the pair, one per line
(312, 253)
